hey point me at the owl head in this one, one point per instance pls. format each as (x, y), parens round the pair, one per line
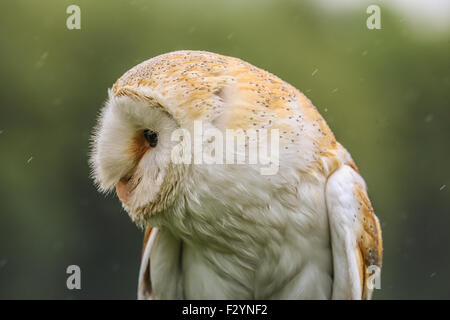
(146, 144)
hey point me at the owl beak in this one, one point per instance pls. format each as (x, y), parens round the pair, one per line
(124, 189)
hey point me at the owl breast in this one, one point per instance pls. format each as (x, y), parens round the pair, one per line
(264, 243)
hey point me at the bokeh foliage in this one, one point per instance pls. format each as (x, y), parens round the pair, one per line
(384, 93)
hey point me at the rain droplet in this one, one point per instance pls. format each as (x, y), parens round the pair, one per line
(41, 60)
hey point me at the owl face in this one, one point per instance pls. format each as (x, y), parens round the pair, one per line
(134, 152)
(131, 152)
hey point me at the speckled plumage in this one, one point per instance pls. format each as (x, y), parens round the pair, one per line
(308, 232)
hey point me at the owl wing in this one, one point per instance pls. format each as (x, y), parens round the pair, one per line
(145, 282)
(160, 266)
(355, 235)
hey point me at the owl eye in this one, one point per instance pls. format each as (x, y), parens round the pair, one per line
(151, 137)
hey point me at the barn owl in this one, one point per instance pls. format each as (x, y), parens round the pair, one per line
(306, 230)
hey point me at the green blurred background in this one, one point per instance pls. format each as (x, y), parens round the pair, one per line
(384, 93)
